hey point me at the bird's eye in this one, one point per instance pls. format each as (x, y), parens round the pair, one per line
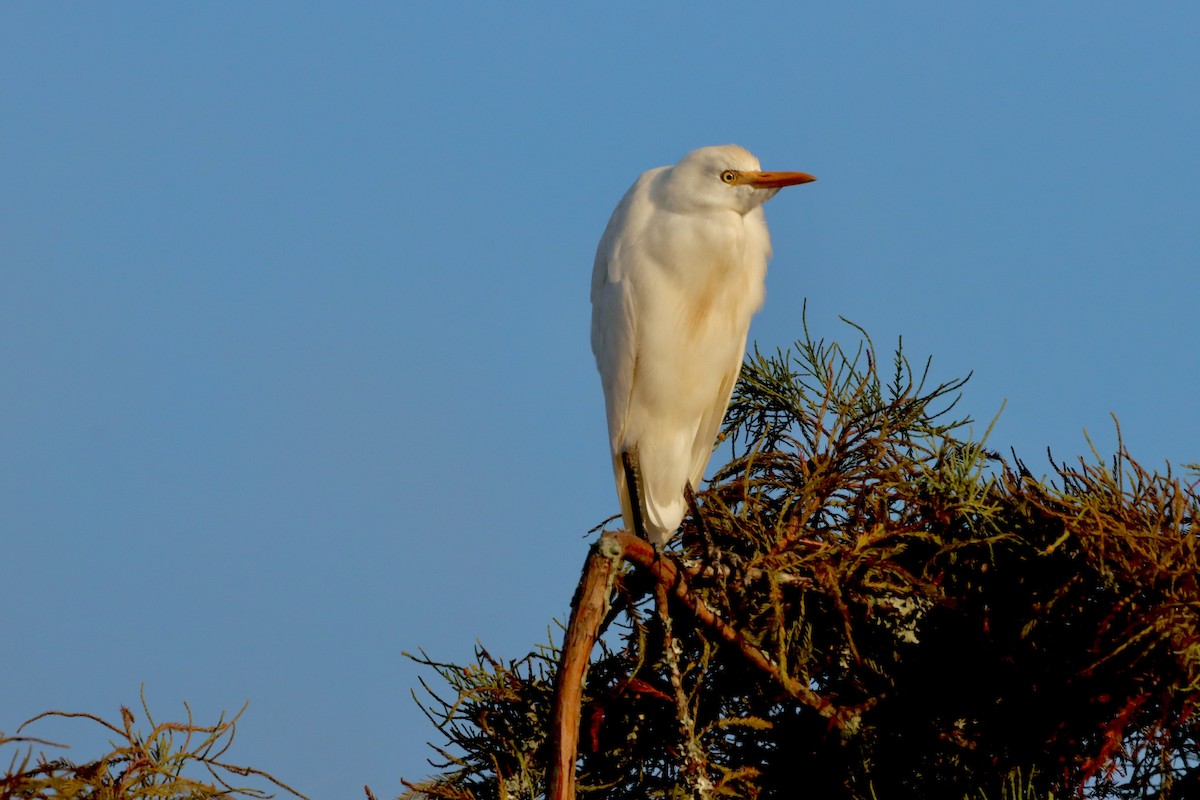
(728, 176)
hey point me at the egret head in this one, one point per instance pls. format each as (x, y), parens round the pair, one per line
(725, 176)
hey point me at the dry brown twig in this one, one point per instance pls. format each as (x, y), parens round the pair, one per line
(140, 765)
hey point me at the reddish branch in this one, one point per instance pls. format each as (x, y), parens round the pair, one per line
(587, 614)
(668, 574)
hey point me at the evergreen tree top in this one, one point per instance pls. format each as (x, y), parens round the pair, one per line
(868, 602)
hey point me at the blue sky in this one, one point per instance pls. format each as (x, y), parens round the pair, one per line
(294, 306)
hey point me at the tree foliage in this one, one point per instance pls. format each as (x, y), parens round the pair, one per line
(935, 620)
(174, 761)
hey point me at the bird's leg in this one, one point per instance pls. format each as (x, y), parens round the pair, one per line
(629, 460)
(689, 494)
(637, 583)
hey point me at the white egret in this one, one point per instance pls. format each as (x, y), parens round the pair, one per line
(679, 272)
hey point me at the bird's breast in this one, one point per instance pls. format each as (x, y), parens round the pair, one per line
(713, 272)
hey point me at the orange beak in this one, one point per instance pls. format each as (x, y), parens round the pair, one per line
(773, 180)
